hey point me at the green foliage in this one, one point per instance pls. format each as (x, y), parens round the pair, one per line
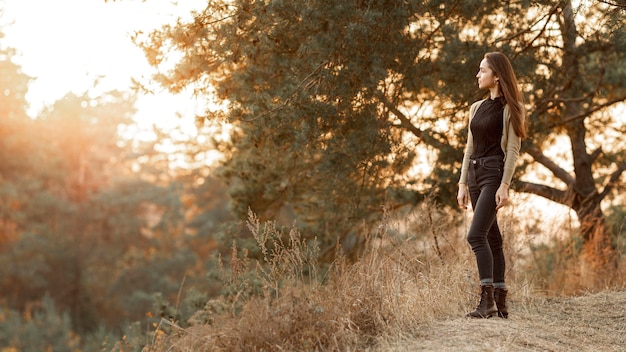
(134, 339)
(45, 328)
(333, 103)
(91, 224)
(308, 85)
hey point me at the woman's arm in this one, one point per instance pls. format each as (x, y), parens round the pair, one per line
(469, 147)
(513, 145)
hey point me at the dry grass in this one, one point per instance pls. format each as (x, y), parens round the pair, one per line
(595, 322)
(409, 291)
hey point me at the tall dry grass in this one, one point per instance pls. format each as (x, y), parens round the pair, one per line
(417, 268)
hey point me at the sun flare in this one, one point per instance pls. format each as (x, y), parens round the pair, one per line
(69, 45)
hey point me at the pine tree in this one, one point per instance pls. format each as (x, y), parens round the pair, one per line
(334, 103)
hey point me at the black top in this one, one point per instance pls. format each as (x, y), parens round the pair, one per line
(486, 127)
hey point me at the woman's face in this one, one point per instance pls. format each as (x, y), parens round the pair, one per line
(486, 77)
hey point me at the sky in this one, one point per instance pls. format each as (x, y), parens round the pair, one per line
(66, 44)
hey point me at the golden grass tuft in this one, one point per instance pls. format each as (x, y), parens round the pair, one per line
(415, 270)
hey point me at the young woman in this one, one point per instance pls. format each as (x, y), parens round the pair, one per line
(496, 128)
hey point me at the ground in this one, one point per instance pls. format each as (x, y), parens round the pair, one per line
(586, 323)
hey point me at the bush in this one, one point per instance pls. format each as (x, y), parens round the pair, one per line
(40, 328)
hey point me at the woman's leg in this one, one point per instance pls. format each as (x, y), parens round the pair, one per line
(484, 204)
(483, 182)
(495, 244)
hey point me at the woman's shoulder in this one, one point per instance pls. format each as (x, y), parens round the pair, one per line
(477, 103)
(475, 106)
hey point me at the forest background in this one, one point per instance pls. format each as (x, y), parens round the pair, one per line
(341, 126)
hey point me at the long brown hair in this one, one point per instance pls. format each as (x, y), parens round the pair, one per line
(501, 66)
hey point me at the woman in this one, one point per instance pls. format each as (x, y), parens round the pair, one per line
(496, 128)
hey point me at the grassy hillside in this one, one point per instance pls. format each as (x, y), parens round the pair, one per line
(409, 291)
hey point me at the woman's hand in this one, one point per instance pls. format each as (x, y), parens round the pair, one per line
(502, 195)
(462, 196)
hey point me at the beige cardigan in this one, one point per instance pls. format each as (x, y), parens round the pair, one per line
(510, 144)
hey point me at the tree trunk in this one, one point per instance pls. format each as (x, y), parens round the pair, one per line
(599, 254)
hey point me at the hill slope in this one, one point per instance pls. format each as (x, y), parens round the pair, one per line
(587, 323)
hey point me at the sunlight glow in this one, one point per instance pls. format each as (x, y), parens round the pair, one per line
(66, 45)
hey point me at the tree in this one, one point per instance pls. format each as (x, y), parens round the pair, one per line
(91, 219)
(334, 103)
(571, 97)
(64, 161)
(13, 145)
(95, 236)
(311, 106)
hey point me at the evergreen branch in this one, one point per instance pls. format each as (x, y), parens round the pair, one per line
(588, 112)
(588, 95)
(405, 122)
(529, 30)
(547, 192)
(305, 83)
(440, 24)
(543, 105)
(613, 180)
(548, 17)
(407, 125)
(556, 170)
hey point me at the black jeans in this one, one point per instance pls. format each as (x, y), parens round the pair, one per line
(484, 178)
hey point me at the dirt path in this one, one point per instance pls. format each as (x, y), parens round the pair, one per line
(587, 323)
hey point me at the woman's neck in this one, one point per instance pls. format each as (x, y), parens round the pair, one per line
(494, 92)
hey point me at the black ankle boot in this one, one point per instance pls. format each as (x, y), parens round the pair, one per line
(499, 295)
(487, 305)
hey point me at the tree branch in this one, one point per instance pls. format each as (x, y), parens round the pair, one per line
(551, 165)
(547, 192)
(613, 180)
(306, 83)
(589, 112)
(530, 43)
(406, 124)
(588, 95)
(595, 154)
(529, 28)
(616, 3)
(440, 24)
